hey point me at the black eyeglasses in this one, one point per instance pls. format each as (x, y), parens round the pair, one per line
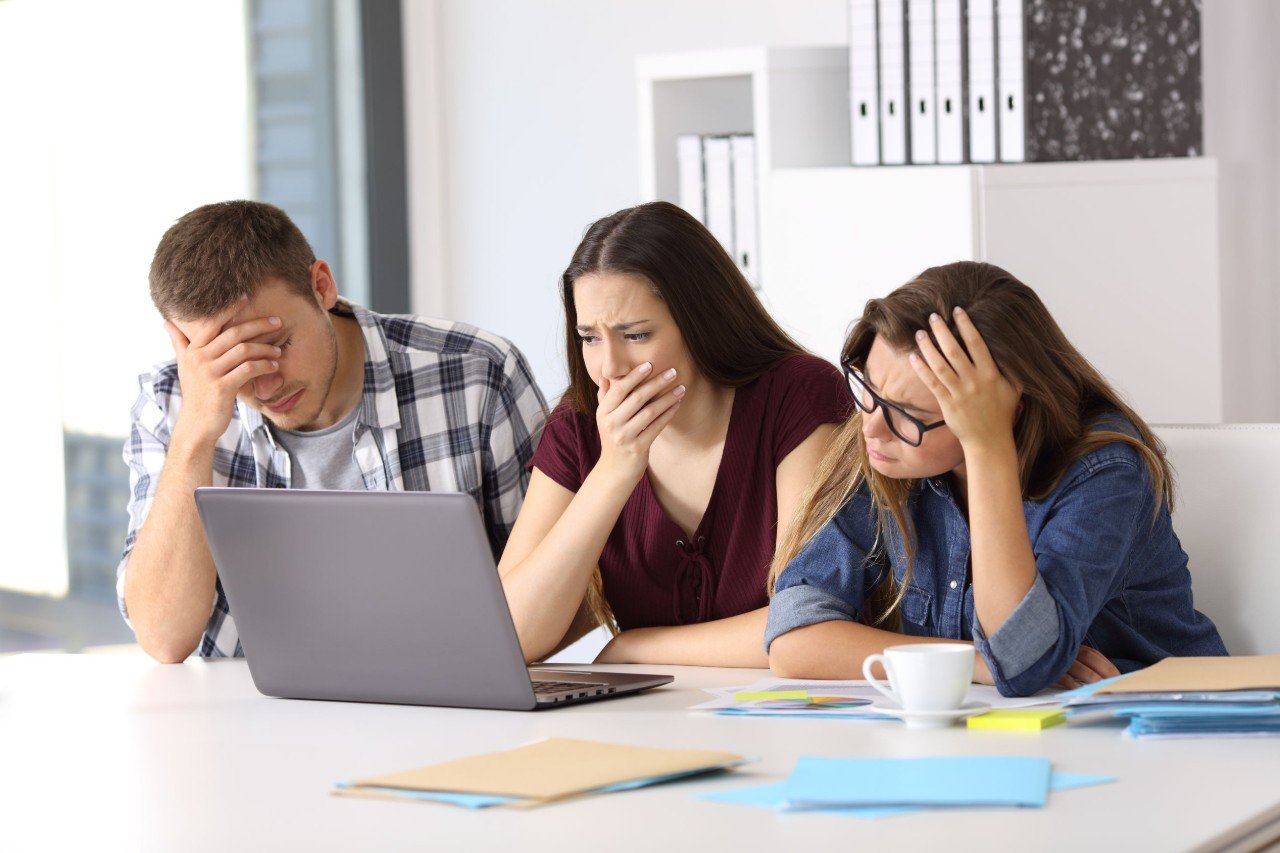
(904, 426)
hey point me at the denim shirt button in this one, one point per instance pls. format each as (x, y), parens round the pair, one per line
(953, 584)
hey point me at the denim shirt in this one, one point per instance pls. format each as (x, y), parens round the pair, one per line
(1110, 573)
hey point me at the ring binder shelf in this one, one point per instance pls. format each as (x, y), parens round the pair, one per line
(773, 107)
(832, 235)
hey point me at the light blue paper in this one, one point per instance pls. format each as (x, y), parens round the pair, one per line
(775, 796)
(808, 715)
(1208, 710)
(484, 801)
(670, 777)
(467, 801)
(951, 781)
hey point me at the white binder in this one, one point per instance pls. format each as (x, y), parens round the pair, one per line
(982, 81)
(864, 83)
(1009, 59)
(893, 82)
(920, 81)
(689, 175)
(717, 165)
(746, 240)
(949, 103)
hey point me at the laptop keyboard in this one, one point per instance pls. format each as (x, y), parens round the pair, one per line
(543, 688)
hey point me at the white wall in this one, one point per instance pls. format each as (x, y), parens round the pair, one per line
(537, 116)
(523, 130)
(1242, 129)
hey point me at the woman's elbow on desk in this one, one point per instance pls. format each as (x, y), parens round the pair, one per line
(799, 653)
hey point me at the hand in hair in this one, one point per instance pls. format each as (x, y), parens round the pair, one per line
(978, 403)
(214, 363)
(631, 413)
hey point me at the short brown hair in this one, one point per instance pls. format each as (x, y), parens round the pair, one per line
(220, 252)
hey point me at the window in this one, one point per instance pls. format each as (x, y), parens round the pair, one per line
(116, 126)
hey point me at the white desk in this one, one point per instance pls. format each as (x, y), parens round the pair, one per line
(117, 752)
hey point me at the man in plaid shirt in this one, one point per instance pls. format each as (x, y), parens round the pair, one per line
(278, 382)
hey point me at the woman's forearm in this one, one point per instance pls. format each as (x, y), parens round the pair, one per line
(836, 650)
(735, 641)
(545, 589)
(1004, 566)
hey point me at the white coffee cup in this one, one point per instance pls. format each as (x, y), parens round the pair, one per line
(924, 676)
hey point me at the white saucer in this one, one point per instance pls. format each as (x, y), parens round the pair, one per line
(930, 719)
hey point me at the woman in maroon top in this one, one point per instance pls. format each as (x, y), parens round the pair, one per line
(691, 426)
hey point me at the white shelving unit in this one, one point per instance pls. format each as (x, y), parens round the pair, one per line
(794, 100)
(1124, 253)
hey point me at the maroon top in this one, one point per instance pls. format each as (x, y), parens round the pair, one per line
(653, 573)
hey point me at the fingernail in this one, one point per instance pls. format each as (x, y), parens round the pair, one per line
(275, 364)
(679, 391)
(933, 318)
(278, 350)
(920, 335)
(275, 321)
(915, 359)
(645, 368)
(957, 310)
(670, 374)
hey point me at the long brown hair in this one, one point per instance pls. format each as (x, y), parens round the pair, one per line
(1064, 398)
(730, 336)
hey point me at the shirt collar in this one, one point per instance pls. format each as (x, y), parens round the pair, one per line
(939, 486)
(379, 405)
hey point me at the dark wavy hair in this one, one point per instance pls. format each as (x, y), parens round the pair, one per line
(730, 336)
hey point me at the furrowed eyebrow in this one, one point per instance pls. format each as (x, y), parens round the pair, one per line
(908, 406)
(617, 327)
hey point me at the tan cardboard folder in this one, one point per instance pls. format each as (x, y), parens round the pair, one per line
(553, 768)
(1203, 675)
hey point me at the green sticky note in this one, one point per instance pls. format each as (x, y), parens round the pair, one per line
(771, 694)
(1019, 719)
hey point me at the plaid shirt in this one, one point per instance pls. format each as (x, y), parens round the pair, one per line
(446, 407)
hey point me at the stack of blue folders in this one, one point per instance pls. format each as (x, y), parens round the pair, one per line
(1189, 697)
(879, 787)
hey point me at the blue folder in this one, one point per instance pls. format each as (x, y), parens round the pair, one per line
(953, 781)
(775, 796)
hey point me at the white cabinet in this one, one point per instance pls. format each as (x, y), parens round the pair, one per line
(1124, 253)
(795, 100)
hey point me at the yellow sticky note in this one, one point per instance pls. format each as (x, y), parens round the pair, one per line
(764, 695)
(1019, 719)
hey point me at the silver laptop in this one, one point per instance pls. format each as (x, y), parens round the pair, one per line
(378, 597)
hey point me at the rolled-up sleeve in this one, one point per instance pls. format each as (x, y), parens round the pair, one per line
(830, 579)
(144, 453)
(1081, 552)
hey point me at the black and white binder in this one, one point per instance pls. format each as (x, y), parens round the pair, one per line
(689, 175)
(949, 53)
(717, 166)
(1009, 69)
(864, 83)
(982, 81)
(894, 144)
(921, 81)
(746, 240)
(1107, 81)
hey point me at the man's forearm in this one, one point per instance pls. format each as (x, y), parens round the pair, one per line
(170, 576)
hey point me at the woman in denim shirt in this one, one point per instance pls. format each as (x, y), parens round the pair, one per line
(991, 488)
